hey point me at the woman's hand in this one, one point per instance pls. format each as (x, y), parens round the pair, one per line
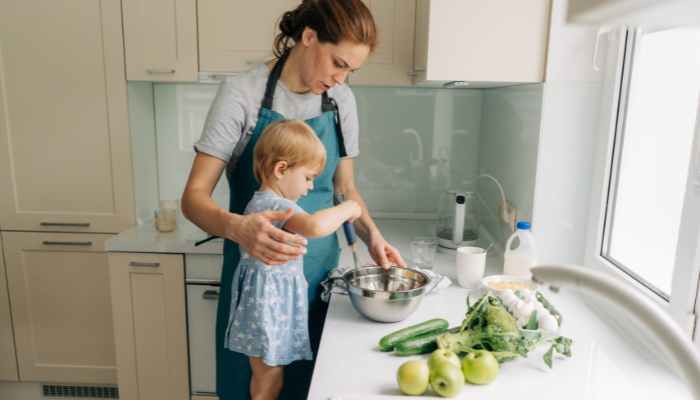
(384, 254)
(256, 235)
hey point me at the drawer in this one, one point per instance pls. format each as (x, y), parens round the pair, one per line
(203, 267)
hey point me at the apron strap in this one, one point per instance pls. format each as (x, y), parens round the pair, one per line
(327, 103)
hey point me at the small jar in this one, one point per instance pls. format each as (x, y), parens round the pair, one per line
(164, 220)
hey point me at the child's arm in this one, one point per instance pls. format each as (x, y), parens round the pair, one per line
(323, 222)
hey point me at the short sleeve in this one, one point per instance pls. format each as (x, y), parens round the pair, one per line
(350, 124)
(225, 121)
(281, 204)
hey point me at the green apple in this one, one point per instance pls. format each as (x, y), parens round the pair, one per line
(447, 380)
(480, 367)
(413, 377)
(440, 356)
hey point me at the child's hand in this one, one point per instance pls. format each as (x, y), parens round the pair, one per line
(355, 209)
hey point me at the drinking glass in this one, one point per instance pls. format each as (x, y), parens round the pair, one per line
(423, 252)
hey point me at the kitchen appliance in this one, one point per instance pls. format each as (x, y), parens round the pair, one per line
(400, 292)
(458, 224)
(202, 275)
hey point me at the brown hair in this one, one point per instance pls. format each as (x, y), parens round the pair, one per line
(333, 20)
(287, 140)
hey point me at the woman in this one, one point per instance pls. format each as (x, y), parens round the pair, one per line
(321, 41)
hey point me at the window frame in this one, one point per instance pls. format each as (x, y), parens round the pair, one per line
(682, 303)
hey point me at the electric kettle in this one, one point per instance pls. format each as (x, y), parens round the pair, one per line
(458, 224)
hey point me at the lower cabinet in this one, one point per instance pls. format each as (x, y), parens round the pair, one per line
(8, 357)
(148, 304)
(61, 307)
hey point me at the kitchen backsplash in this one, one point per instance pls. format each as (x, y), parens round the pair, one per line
(414, 144)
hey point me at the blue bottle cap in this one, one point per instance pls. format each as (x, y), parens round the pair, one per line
(524, 225)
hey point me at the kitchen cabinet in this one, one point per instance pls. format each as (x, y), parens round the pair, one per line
(160, 40)
(65, 158)
(8, 357)
(148, 300)
(392, 62)
(634, 12)
(236, 34)
(481, 41)
(61, 306)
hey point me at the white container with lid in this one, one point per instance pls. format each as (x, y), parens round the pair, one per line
(520, 260)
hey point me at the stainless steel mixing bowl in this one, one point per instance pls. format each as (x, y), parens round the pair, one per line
(399, 292)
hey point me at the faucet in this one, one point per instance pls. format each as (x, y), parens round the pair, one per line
(683, 354)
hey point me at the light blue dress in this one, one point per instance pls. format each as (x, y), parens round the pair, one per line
(269, 304)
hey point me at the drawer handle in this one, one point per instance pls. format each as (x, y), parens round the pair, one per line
(67, 243)
(210, 295)
(160, 71)
(416, 70)
(138, 264)
(84, 224)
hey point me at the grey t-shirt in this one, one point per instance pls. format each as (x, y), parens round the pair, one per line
(234, 113)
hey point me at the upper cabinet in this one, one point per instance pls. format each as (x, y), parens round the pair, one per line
(65, 157)
(392, 62)
(236, 34)
(8, 357)
(634, 12)
(160, 40)
(489, 42)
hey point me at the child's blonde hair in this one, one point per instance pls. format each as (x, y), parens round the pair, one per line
(287, 140)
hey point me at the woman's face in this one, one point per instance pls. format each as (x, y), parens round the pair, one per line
(327, 64)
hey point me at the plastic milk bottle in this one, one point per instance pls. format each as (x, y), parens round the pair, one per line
(520, 260)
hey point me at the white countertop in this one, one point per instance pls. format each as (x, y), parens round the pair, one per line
(145, 238)
(603, 364)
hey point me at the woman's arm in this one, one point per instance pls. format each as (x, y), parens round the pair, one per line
(382, 252)
(253, 232)
(323, 222)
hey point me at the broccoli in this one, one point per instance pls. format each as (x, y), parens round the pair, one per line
(488, 325)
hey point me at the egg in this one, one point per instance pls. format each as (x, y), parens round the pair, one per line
(525, 292)
(538, 306)
(515, 305)
(508, 299)
(531, 299)
(542, 313)
(523, 310)
(505, 293)
(548, 323)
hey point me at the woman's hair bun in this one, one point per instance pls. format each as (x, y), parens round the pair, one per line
(333, 20)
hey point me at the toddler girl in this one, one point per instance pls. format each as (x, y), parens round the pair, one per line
(269, 305)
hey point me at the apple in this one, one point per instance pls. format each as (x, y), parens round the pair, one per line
(447, 380)
(440, 356)
(480, 367)
(413, 377)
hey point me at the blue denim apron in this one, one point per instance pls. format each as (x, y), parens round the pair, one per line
(233, 373)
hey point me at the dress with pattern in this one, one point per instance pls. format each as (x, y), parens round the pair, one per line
(269, 305)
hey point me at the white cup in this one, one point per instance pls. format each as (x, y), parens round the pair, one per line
(471, 262)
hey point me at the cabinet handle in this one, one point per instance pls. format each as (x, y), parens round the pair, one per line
(210, 295)
(160, 71)
(67, 243)
(83, 224)
(138, 264)
(416, 70)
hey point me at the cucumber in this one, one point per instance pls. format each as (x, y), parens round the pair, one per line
(421, 344)
(388, 342)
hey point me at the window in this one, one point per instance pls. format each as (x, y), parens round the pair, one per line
(655, 128)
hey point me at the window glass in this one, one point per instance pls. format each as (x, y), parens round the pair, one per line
(656, 122)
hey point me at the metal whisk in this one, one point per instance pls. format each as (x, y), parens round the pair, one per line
(351, 237)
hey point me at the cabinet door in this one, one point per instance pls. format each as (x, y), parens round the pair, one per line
(160, 40)
(65, 156)
(61, 306)
(487, 41)
(148, 299)
(392, 61)
(236, 34)
(8, 358)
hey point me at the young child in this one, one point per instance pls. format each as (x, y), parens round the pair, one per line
(269, 305)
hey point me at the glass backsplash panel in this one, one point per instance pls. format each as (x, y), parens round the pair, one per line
(414, 143)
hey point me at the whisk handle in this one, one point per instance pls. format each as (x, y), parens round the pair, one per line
(349, 230)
